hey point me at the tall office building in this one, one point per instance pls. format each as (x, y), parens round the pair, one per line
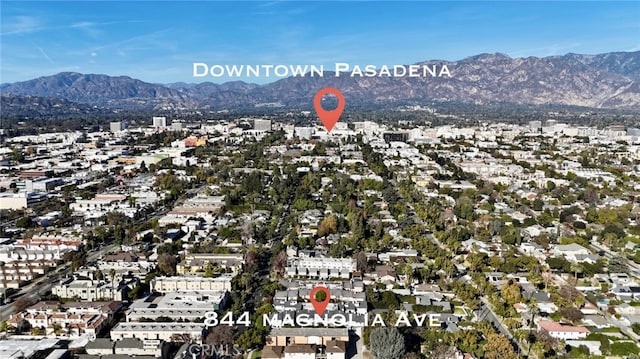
(159, 122)
(117, 126)
(535, 126)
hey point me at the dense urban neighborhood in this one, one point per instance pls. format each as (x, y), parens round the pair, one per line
(180, 239)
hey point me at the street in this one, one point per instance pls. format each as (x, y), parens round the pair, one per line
(634, 269)
(485, 313)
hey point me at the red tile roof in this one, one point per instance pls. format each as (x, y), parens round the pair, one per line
(552, 326)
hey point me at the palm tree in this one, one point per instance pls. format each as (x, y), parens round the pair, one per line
(533, 310)
(576, 268)
(112, 274)
(4, 326)
(547, 277)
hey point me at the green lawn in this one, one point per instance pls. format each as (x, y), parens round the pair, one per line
(459, 310)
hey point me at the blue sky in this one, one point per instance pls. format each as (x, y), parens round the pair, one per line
(159, 41)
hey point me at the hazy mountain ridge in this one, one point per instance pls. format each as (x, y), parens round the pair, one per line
(608, 80)
(18, 106)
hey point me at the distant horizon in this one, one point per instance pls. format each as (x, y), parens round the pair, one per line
(273, 80)
(157, 42)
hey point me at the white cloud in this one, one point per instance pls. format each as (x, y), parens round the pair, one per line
(83, 24)
(21, 25)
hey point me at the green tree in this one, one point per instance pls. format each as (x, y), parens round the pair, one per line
(386, 343)
(250, 338)
(390, 300)
(98, 274)
(134, 293)
(17, 155)
(537, 204)
(356, 224)
(328, 225)
(498, 347)
(167, 264)
(559, 264)
(24, 222)
(624, 349)
(464, 208)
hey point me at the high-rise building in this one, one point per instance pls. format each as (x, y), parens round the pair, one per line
(262, 125)
(535, 126)
(117, 126)
(304, 133)
(159, 122)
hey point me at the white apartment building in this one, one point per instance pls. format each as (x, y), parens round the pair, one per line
(101, 205)
(15, 274)
(189, 306)
(191, 283)
(320, 267)
(157, 331)
(92, 289)
(10, 253)
(72, 319)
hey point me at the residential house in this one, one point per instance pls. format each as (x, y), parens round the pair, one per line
(560, 331)
(596, 321)
(572, 252)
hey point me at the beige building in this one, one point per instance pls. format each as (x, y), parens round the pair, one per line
(12, 201)
(198, 262)
(91, 289)
(306, 343)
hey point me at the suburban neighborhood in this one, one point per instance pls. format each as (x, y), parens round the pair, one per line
(497, 240)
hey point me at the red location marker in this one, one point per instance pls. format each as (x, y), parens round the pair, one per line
(328, 118)
(320, 306)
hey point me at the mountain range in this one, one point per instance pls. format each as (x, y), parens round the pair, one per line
(607, 81)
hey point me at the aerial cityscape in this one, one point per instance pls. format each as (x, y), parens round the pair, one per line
(199, 203)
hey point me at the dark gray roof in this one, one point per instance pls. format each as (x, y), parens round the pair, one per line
(100, 343)
(129, 343)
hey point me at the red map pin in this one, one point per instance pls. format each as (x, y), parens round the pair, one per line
(328, 118)
(316, 299)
